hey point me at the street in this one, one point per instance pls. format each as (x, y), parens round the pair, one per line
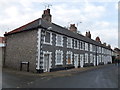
(104, 77)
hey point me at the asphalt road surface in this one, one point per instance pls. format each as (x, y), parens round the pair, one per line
(104, 77)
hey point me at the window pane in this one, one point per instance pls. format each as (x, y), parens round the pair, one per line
(59, 40)
(47, 37)
(59, 57)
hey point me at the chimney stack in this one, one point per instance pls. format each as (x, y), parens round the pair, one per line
(109, 46)
(46, 15)
(88, 34)
(73, 28)
(104, 44)
(98, 39)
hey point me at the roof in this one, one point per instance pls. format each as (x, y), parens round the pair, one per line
(55, 28)
(25, 27)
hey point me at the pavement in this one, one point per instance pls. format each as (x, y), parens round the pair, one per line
(104, 76)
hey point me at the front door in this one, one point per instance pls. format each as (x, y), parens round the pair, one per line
(46, 62)
(76, 60)
(81, 60)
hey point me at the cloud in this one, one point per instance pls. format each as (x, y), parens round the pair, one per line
(15, 13)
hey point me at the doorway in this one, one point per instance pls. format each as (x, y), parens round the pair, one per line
(76, 60)
(47, 62)
(81, 60)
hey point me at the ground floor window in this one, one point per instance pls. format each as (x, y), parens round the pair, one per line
(94, 59)
(59, 57)
(86, 57)
(69, 57)
(100, 59)
(91, 58)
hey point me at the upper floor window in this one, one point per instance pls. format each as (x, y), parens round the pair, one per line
(76, 44)
(99, 49)
(48, 38)
(91, 47)
(102, 50)
(94, 48)
(81, 45)
(86, 46)
(69, 42)
(59, 40)
(59, 57)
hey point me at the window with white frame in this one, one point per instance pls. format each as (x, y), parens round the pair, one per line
(59, 40)
(81, 45)
(69, 42)
(94, 59)
(99, 49)
(91, 47)
(94, 48)
(100, 58)
(86, 46)
(48, 38)
(69, 57)
(59, 57)
(76, 44)
(86, 57)
(91, 58)
(102, 50)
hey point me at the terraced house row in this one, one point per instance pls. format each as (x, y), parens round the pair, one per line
(42, 46)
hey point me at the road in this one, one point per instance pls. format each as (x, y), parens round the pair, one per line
(104, 77)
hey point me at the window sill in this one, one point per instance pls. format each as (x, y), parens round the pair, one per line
(47, 43)
(58, 64)
(76, 48)
(59, 45)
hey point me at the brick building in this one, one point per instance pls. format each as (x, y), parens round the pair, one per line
(47, 46)
(1, 50)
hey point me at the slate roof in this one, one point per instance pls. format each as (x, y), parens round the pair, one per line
(55, 28)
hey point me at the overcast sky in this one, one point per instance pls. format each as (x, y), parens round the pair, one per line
(99, 17)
